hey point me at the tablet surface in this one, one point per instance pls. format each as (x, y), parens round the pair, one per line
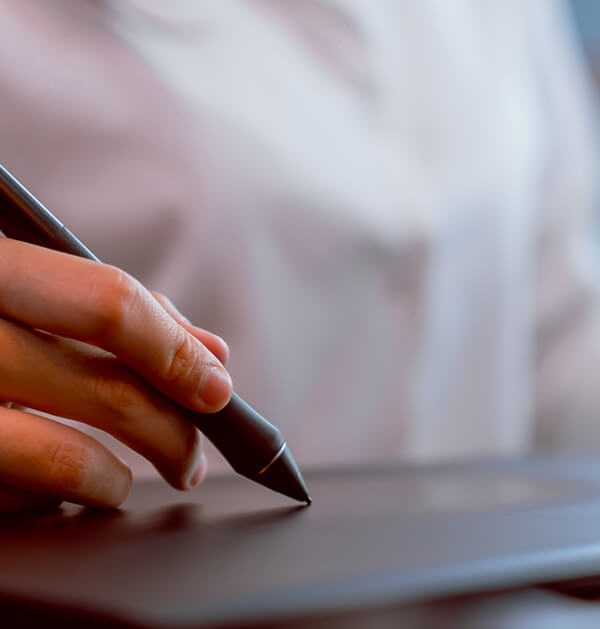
(234, 553)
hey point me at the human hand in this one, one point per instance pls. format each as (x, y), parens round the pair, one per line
(86, 341)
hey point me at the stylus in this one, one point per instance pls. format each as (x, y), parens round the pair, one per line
(253, 447)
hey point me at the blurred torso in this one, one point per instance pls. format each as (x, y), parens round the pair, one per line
(349, 192)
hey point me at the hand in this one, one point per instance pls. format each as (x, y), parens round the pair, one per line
(87, 341)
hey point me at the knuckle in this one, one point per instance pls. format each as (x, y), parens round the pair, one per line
(67, 465)
(115, 393)
(184, 364)
(115, 295)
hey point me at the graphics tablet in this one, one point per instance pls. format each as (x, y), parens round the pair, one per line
(232, 553)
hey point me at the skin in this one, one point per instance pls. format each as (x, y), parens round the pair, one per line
(88, 342)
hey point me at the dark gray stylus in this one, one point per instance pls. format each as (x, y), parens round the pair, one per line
(253, 446)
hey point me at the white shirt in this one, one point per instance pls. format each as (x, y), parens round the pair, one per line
(382, 206)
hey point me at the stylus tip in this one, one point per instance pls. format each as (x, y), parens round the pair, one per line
(285, 477)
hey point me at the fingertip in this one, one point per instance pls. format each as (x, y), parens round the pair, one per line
(185, 469)
(106, 482)
(199, 472)
(122, 491)
(220, 349)
(216, 389)
(115, 494)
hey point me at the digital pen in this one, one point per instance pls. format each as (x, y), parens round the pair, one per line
(253, 447)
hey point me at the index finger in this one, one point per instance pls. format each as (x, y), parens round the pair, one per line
(103, 305)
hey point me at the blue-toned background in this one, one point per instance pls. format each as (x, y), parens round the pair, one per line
(587, 19)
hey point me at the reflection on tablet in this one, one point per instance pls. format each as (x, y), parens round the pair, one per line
(453, 493)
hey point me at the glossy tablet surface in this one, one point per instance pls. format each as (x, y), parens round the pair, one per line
(233, 553)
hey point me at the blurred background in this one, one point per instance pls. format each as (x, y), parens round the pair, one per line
(388, 209)
(587, 20)
(586, 16)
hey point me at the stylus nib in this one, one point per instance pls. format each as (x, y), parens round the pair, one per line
(284, 476)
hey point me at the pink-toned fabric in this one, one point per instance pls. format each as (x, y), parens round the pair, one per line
(384, 207)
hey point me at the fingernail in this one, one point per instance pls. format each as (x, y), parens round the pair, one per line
(199, 473)
(216, 387)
